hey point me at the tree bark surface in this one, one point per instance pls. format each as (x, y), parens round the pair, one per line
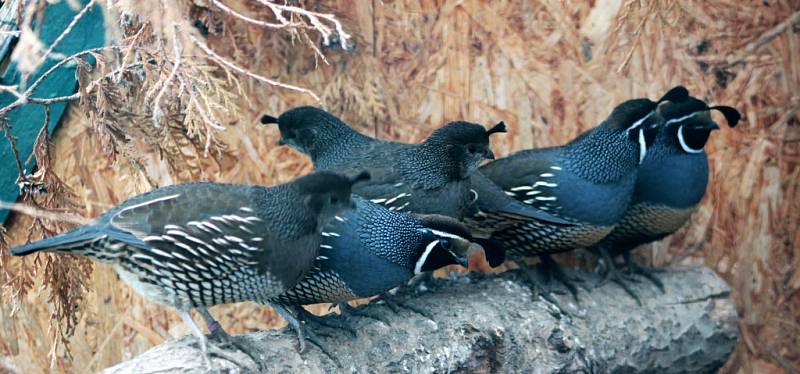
(492, 324)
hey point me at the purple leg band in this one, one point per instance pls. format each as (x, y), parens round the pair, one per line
(213, 327)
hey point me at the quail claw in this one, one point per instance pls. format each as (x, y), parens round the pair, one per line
(395, 305)
(348, 310)
(646, 272)
(303, 332)
(330, 320)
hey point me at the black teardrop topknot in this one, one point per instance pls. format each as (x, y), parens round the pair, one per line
(267, 119)
(731, 115)
(499, 127)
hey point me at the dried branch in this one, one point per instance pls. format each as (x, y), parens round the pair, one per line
(249, 73)
(24, 97)
(282, 24)
(314, 18)
(502, 330)
(12, 90)
(66, 31)
(13, 142)
(765, 38)
(176, 44)
(637, 35)
(45, 214)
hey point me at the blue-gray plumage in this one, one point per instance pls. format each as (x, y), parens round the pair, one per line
(322, 136)
(670, 183)
(588, 181)
(200, 244)
(331, 144)
(371, 249)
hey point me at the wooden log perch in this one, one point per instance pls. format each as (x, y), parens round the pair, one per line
(491, 324)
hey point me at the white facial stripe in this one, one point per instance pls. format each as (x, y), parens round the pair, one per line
(424, 257)
(686, 147)
(163, 198)
(684, 118)
(639, 122)
(475, 195)
(446, 234)
(642, 147)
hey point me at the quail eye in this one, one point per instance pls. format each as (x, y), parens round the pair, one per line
(472, 149)
(446, 244)
(334, 200)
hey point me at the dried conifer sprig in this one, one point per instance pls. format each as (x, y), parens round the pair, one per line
(149, 86)
(293, 18)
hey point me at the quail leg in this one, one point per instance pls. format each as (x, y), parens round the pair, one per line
(303, 332)
(534, 281)
(646, 272)
(395, 305)
(218, 334)
(553, 270)
(215, 330)
(201, 338)
(613, 274)
(330, 320)
(348, 310)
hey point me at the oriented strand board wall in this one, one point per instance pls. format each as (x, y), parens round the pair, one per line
(548, 69)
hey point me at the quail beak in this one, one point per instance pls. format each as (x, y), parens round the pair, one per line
(488, 154)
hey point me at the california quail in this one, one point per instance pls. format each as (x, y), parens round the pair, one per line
(669, 185)
(370, 250)
(588, 181)
(428, 178)
(330, 144)
(195, 245)
(322, 136)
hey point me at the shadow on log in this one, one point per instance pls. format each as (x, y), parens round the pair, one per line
(491, 324)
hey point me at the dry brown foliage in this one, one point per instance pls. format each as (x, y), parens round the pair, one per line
(159, 108)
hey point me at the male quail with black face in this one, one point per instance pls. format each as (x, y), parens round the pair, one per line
(669, 185)
(330, 144)
(588, 181)
(370, 250)
(195, 245)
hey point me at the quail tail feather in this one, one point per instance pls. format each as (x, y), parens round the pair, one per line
(89, 241)
(70, 241)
